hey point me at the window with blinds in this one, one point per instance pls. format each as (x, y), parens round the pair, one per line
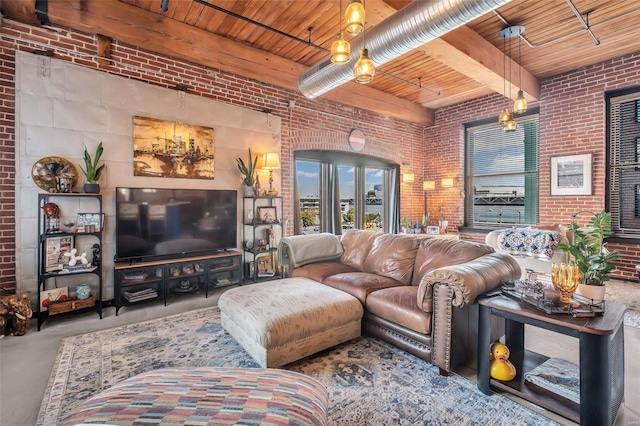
(501, 174)
(623, 161)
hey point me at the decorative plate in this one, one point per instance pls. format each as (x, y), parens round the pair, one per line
(54, 174)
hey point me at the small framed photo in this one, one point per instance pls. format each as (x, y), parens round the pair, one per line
(433, 229)
(250, 271)
(89, 222)
(571, 175)
(53, 295)
(54, 249)
(267, 214)
(265, 266)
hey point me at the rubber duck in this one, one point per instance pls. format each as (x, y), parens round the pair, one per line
(501, 367)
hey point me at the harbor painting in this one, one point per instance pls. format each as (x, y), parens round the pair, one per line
(171, 149)
(571, 175)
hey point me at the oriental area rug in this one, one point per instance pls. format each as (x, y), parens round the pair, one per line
(369, 382)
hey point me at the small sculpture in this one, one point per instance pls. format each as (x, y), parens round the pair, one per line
(95, 260)
(73, 259)
(501, 367)
(16, 311)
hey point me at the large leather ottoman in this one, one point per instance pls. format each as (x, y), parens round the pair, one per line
(278, 322)
(208, 396)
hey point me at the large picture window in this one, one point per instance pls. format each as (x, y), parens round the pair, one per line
(338, 191)
(501, 174)
(623, 161)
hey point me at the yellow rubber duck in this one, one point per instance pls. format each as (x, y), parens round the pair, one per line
(501, 367)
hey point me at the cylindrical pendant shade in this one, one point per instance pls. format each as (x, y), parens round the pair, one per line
(340, 50)
(365, 68)
(354, 15)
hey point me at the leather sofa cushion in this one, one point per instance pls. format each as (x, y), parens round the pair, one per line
(393, 256)
(357, 244)
(361, 284)
(398, 305)
(435, 253)
(320, 271)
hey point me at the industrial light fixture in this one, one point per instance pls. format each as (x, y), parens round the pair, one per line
(520, 105)
(271, 162)
(364, 68)
(408, 177)
(354, 15)
(506, 118)
(447, 183)
(340, 48)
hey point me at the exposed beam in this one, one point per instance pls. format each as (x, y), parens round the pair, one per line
(20, 10)
(150, 31)
(467, 52)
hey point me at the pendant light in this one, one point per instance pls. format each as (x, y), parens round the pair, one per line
(506, 118)
(354, 15)
(520, 105)
(364, 68)
(340, 48)
(505, 115)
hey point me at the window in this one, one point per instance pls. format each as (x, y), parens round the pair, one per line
(623, 161)
(339, 191)
(501, 173)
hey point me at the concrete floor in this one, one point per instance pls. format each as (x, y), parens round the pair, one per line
(26, 361)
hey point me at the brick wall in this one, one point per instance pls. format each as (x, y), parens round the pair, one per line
(312, 124)
(572, 121)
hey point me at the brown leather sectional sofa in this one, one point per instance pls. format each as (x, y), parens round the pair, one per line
(418, 292)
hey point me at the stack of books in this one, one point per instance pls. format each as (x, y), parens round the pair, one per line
(137, 296)
(134, 277)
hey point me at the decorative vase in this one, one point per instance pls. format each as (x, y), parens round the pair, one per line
(565, 279)
(83, 291)
(248, 191)
(593, 292)
(92, 188)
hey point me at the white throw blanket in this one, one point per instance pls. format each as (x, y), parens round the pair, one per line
(298, 250)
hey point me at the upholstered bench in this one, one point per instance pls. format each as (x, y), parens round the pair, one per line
(206, 395)
(278, 322)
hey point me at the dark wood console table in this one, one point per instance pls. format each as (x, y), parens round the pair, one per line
(601, 345)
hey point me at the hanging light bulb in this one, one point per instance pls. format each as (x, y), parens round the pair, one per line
(354, 15)
(504, 116)
(365, 68)
(510, 126)
(340, 50)
(520, 105)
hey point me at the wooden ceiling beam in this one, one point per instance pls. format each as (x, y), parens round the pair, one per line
(467, 52)
(20, 10)
(138, 27)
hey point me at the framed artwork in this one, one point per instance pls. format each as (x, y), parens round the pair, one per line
(571, 175)
(265, 266)
(433, 229)
(89, 219)
(267, 214)
(54, 249)
(172, 149)
(53, 295)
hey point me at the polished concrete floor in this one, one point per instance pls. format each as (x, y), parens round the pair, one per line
(26, 361)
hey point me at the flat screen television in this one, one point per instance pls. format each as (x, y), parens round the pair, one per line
(154, 223)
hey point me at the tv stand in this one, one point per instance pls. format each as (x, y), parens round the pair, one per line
(162, 279)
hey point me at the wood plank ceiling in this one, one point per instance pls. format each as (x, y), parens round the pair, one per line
(464, 64)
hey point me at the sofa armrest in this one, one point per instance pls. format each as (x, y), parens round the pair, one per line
(448, 292)
(468, 280)
(299, 250)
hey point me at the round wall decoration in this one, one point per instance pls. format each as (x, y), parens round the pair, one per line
(356, 140)
(54, 174)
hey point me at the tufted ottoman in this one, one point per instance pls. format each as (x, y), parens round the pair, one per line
(208, 396)
(278, 322)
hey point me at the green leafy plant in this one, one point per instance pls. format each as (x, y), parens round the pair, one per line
(248, 169)
(425, 219)
(588, 250)
(91, 170)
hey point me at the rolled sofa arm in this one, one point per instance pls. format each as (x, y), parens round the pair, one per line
(448, 294)
(468, 280)
(299, 250)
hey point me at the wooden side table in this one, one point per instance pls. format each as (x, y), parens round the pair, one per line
(601, 346)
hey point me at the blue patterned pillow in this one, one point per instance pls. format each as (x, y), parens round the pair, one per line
(529, 242)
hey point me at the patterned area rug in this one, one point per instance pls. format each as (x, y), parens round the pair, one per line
(369, 382)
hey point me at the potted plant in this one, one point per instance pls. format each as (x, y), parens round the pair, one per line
(248, 171)
(91, 170)
(589, 253)
(425, 222)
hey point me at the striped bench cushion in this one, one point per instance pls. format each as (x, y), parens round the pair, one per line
(207, 395)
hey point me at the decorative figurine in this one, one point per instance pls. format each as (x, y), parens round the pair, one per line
(73, 259)
(95, 260)
(501, 367)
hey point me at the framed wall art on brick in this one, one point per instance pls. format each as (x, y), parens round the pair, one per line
(571, 175)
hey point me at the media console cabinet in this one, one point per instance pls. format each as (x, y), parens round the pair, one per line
(160, 280)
